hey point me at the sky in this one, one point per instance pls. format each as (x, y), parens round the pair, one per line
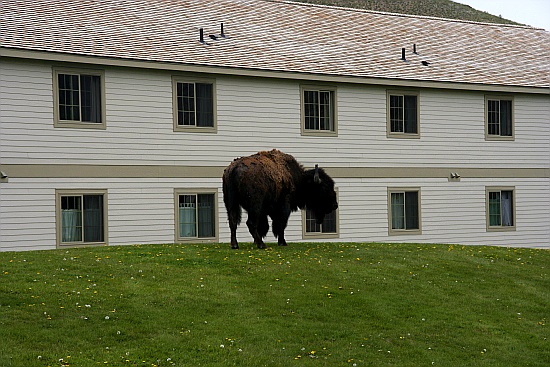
(535, 13)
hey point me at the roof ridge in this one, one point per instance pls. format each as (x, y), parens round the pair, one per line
(299, 3)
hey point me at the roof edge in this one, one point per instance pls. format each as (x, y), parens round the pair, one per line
(19, 53)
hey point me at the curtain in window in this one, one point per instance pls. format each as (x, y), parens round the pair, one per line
(397, 210)
(411, 210)
(205, 105)
(505, 118)
(93, 218)
(325, 110)
(206, 215)
(187, 216)
(71, 225)
(410, 115)
(507, 209)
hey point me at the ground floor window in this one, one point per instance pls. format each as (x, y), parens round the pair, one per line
(195, 215)
(500, 208)
(81, 217)
(404, 211)
(312, 229)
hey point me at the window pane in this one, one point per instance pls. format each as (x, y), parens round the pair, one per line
(186, 103)
(71, 219)
(68, 93)
(411, 209)
(398, 210)
(206, 215)
(311, 110)
(410, 115)
(93, 218)
(311, 223)
(205, 105)
(396, 114)
(187, 216)
(329, 223)
(505, 118)
(494, 208)
(325, 110)
(507, 208)
(90, 95)
(493, 111)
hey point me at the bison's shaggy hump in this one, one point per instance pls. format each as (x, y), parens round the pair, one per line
(266, 171)
(273, 184)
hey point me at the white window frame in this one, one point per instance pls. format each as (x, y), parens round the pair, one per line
(397, 231)
(78, 124)
(500, 189)
(333, 115)
(193, 128)
(195, 239)
(59, 194)
(402, 134)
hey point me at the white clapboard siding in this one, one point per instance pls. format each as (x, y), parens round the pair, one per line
(256, 114)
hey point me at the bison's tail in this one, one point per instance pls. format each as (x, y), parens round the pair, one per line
(231, 200)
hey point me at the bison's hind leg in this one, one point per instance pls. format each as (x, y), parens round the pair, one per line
(234, 216)
(257, 224)
(263, 226)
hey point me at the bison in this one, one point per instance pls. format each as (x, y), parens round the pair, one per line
(273, 183)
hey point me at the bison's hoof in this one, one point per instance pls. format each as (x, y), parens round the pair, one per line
(262, 245)
(282, 243)
(234, 246)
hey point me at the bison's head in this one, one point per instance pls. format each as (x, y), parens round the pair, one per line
(320, 196)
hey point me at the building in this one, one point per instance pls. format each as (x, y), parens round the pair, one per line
(117, 118)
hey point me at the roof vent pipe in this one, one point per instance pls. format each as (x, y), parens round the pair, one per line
(414, 48)
(403, 54)
(221, 31)
(201, 36)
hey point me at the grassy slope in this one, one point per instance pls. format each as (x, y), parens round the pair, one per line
(433, 8)
(306, 304)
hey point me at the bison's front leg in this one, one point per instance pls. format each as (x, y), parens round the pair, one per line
(280, 221)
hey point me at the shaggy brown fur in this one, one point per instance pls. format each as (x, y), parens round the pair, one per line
(273, 183)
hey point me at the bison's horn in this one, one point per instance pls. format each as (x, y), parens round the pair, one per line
(316, 178)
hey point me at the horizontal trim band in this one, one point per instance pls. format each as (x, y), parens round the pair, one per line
(165, 171)
(262, 73)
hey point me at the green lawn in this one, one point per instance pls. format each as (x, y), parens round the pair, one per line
(325, 304)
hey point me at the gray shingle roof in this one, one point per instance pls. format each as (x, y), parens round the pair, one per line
(281, 36)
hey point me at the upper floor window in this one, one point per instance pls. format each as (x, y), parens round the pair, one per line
(404, 211)
(499, 122)
(402, 114)
(500, 208)
(196, 218)
(194, 105)
(81, 217)
(318, 110)
(79, 99)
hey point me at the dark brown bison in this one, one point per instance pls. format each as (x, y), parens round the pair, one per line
(275, 184)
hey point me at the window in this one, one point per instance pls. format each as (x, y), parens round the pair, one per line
(194, 102)
(81, 217)
(500, 208)
(404, 211)
(196, 217)
(499, 118)
(402, 115)
(78, 98)
(327, 229)
(318, 110)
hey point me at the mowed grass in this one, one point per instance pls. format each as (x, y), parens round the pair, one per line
(308, 304)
